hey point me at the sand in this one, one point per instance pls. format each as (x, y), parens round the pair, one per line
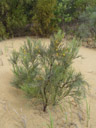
(16, 111)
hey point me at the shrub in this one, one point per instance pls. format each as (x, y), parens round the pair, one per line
(87, 27)
(69, 10)
(40, 17)
(43, 17)
(64, 11)
(16, 19)
(2, 31)
(15, 15)
(46, 72)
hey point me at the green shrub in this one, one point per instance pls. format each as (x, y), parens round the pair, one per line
(45, 72)
(69, 10)
(64, 11)
(15, 15)
(43, 17)
(2, 31)
(87, 27)
(16, 21)
(40, 17)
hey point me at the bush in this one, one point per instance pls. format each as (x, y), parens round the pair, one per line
(40, 17)
(64, 11)
(87, 27)
(15, 16)
(43, 17)
(69, 10)
(46, 73)
(2, 31)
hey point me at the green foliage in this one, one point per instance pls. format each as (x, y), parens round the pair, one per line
(88, 23)
(2, 31)
(68, 10)
(39, 17)
(14, 16)
(16, 20)
(64, 12)
(46, 72)
(43, 17)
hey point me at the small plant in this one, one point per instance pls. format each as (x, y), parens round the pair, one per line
(63, 110)
(46, 73)
(87, 113)
(51, 125)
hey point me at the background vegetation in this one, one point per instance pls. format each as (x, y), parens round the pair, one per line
(43, 17)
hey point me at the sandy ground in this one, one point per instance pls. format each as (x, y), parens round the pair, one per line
(16, 111)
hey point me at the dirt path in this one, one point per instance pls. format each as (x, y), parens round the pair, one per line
(16, 110)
